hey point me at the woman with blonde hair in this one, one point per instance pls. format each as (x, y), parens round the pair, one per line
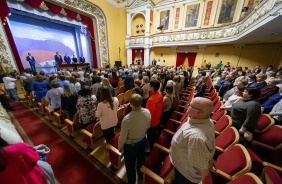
(88, 79)
(68, 101)
(107, 111)
(74, 85)
(105, 82)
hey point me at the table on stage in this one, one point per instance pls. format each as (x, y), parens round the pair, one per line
(74, 66)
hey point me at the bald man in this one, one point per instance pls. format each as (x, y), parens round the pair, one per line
(193, 145)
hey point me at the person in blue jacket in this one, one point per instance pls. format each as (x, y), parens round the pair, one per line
(67, 59)
(31, 61)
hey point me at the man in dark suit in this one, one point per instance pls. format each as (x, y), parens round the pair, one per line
(67, 59)
(74, 59)
(82, 59)
(31, 61)
(154, 62)
(58, 58)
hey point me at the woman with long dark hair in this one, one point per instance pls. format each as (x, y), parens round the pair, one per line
(114, 80)
(107, 111)
(68, 101)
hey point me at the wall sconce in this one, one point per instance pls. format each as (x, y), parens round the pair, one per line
(137, 26)
(143, 30)
(137, 31)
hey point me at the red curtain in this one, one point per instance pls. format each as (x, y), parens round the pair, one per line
(71, 14)
(4, 12)
(89, 21)
(142, 54)
(34, 3)
(53, 8)
(181, 57)
(191, 58)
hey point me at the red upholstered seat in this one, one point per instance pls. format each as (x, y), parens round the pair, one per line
(215, 100)
(166, 167)
(208, 179)
(272, 136)
(253, 156)
(211, 93)
(218, 114)
(263, 121)
(154, 160)
(114, 158)
(232, 160)
(222, 123)
(213, 96)
(165, 139)
(90, 127)
(216, 106)
(229, 137)
(273, 175)
(248, 178)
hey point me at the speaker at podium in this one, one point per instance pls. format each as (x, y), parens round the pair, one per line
(118, 64)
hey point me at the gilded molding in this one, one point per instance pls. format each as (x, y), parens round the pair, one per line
(43, 6)
(63, 12)
(5, 58)
(213, 33)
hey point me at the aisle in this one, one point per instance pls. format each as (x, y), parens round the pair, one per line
(70, 162)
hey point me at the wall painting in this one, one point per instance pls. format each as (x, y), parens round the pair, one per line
(192, 14)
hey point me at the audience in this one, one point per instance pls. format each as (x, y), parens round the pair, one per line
(39, 87)
(10, 86)
(128, 81)
(138, 89)
(63, 81)
(146, 90)
(271, 101)
(53, 96)
(227, 85)
(268, 90)
(107, 111)
(276, 113)
(155, 106)
(201, 89)
(114, 80)
(245, 113)
(74, 85)
(68, 101)
(236, 97)
(86, 107)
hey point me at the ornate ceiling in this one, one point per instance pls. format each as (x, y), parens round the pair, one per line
(121, 3)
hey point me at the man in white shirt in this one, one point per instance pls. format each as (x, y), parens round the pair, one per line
(10, 85)
(159, 62)
(80, 74)
(193, 145)
(163, 64)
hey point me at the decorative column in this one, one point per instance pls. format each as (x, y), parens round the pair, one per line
(157, 20)
(202, 13)
(147, 24)
(182, 16)
(129, 57)
(128, 25)
(240, 11)
(214, 13)
(171, 20)
(146, 56)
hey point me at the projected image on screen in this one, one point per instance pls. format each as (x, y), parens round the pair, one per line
(42, 43)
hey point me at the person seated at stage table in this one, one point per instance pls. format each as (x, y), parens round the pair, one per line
(67, 59)
(58, 58)
(53, 96)
(63, 81)
(82, 59)
(39, 87)
(31, 61)
(74, 59)
(74, 85)
(68, 101)
(86, 107)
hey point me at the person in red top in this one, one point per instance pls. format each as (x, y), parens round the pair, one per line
(155, 106)
(114, 80)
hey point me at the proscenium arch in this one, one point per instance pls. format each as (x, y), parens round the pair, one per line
(97, 15)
